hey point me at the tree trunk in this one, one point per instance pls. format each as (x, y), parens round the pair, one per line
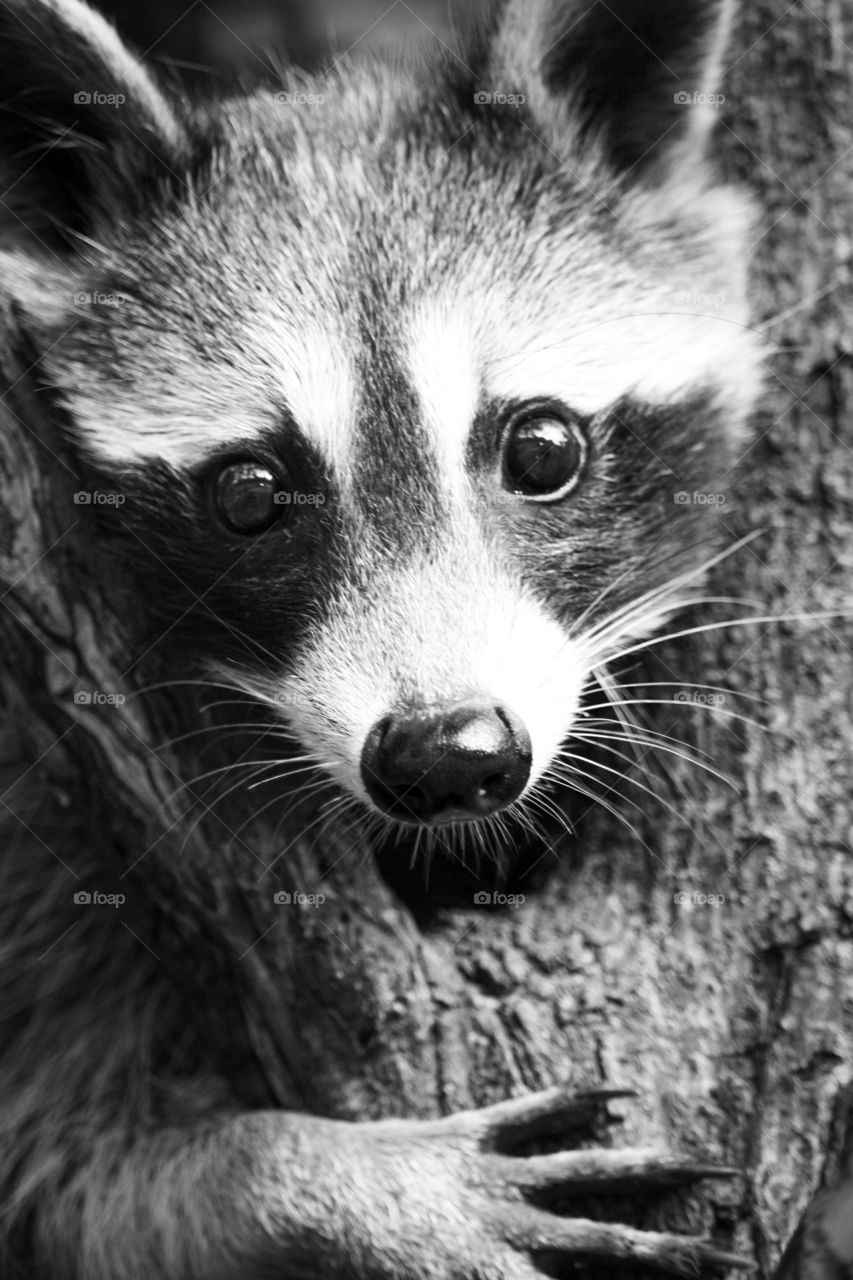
(729, 1015)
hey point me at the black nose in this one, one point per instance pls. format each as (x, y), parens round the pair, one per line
(453, 765)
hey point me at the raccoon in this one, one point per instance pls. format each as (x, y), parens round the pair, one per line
(402, 373)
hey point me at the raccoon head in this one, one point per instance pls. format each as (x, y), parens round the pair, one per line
(417, 382)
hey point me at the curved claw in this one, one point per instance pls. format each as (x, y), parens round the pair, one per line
(603, 1171)
(580, 1239)
(720, 1258)
(549, 1112)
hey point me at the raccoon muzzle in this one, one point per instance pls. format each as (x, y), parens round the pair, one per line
(454, 764)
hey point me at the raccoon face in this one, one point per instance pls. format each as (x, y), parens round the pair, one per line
(403, 390)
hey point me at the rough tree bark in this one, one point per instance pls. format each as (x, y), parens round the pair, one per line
(732, 1022)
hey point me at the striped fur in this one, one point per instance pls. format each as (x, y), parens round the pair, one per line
(361, 294)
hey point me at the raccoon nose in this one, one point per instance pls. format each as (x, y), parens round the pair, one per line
(453, 765)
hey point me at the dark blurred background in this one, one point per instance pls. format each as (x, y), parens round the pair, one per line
(226, 41)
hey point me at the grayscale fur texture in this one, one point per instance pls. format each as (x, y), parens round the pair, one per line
(365, 287)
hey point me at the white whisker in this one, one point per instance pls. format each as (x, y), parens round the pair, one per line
(619, 773)
(673, 702)
(767, 619)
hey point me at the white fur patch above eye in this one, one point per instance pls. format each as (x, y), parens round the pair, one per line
(588, 349)
(125, 433)
(176, 407)
(443, 364)
(310, 365)
(656, 355)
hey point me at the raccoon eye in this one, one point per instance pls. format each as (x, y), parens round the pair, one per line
(544, 457)
(245, 495)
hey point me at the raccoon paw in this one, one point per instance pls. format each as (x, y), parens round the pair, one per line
(523, 1189)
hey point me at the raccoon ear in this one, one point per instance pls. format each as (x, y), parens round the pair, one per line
(635, 79)
(84, 129)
